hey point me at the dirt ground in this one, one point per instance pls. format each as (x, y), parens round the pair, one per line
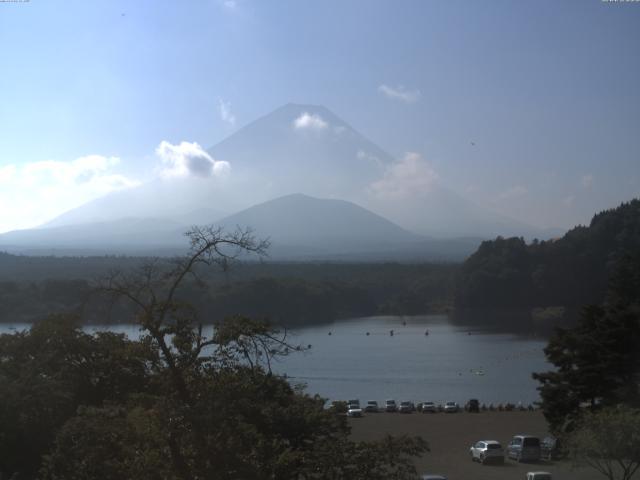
(451, 435)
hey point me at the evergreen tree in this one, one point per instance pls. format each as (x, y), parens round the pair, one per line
(598, 361)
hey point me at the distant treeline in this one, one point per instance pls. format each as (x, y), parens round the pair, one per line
(506, 282)
(285, 293)
(508, 274)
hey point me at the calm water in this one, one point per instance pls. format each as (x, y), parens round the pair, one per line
(409, 365)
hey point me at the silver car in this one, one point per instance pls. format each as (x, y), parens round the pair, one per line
(524, 448)
(390, 406)
(486, 451)
(451, 407)
(406, 407)
(429, 407)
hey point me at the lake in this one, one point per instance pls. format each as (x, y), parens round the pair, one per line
(452, 363)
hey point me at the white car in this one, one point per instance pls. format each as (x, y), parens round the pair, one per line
(451, 407)
(354, 411)
(429, 407)
(538, 476)
(390, 406)
(486, 451)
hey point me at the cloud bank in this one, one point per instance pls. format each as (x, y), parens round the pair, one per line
(400, 93)
(189, 160)
(33, 193)
(310, 121)
(411, 176)
(224, 108)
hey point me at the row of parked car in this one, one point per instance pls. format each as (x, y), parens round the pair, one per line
(355, 410)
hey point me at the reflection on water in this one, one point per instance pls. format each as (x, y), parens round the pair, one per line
(360, 358)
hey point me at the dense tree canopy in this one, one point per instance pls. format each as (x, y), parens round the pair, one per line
(183, 402)
(571, 271)
(597, 361)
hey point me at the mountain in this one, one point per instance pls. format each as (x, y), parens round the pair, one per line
(303, 148)
(143, 236)
(296, 148)
(299, 227)
(324, 156)
(304, 227)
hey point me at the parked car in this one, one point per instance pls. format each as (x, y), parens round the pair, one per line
(372, 406)
(538, 476)
(406, 407)
(451, 407)
(354, 411)
(524, 448)
(390, 406)
(549, 448)
(473, 405)
(429, 407)
(486, 451)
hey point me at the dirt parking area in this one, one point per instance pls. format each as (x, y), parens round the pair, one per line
(451, 435)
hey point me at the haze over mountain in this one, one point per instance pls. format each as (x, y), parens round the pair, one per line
(298, 226)
(296, 148)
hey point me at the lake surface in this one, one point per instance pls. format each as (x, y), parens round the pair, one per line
(452, 363)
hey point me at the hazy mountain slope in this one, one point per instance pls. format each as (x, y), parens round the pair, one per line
(303, 227)
(303, 220)
(106, 237)
(183, 202)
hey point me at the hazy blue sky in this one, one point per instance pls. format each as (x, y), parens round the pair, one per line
(529, 108)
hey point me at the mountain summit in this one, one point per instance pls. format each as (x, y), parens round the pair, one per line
(303, 148)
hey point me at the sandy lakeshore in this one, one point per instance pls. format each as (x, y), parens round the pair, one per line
(451, 435)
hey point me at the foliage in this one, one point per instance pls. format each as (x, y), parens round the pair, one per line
(48, 372)
(608, 441)
(291, 294)
(598, 361)
(184, 402)
(571, 271)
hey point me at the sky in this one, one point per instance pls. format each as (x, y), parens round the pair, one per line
(530, 109)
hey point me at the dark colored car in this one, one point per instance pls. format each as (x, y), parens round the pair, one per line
(473, 405)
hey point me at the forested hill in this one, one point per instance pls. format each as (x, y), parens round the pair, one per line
(572, 271)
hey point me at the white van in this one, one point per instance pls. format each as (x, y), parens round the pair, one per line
(538, 476)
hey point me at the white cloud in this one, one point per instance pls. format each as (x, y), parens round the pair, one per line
(587, 181)
(568, 201)
(189, 159)
(400, 93)
(362, 155)
(224, 108)
(36, 192)
(231, 4)
(410, 176)
(513, 192)
(310, 121)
